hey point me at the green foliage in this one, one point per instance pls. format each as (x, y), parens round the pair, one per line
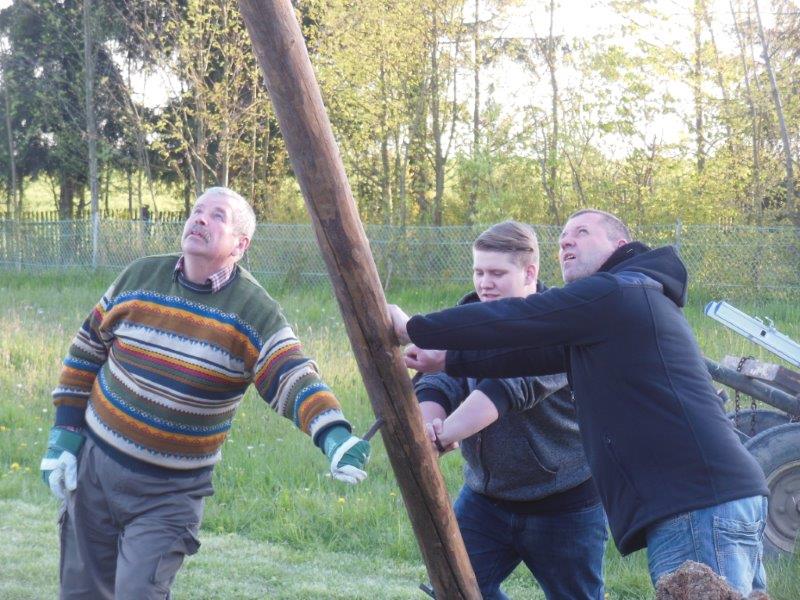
(626, 118)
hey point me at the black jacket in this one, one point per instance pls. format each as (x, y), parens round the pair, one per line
(655, 434)
(533, 450)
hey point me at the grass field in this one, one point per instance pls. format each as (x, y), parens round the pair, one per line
(278, 526)
(42, 195)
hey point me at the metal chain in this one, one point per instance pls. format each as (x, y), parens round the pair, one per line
(753, 403)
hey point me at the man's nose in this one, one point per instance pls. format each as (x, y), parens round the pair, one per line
(565, 242)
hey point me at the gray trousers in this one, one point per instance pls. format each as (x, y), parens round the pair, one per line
(124, 535)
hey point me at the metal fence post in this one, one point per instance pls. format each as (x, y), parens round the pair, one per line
(678, 227)
(95, 237)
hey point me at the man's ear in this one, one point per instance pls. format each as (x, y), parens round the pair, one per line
(242, 246)
(621, 243)
(531, 271)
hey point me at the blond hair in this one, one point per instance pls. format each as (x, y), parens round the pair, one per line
(511, 237)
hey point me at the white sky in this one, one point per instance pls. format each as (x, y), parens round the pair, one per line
(514, 88)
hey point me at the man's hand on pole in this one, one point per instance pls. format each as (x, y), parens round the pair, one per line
(426, 361)
(59, 466)
(399, 320)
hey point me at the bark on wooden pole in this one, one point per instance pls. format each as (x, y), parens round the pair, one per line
(290, 80)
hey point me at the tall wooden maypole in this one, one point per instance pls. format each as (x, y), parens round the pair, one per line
(292, 86)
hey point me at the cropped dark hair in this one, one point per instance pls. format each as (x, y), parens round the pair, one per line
(614, 226)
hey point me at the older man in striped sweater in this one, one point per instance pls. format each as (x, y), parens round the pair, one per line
(146, 397)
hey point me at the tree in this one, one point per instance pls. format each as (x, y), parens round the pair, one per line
(12, 203)
(46, 61)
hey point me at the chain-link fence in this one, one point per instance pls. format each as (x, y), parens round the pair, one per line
(724, 262)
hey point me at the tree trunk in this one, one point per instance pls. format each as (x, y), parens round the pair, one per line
(91, 123)
(253, 145)
(66, 196)
(697, 85)
(776, 97)
(199, 144)
(436, 127)
(476, 116)
(316, 161)
(726, 99)
(400, 166)
(417, 153)
(386, 172)
(13, 205)
(187, 197)
(129, 181)
(755, 191)
(550, 158)
(107, 186)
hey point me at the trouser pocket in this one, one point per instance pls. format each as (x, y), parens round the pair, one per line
(738, 548)
(62, 533)
(186, 544)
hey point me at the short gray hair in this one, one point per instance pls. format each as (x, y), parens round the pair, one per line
(244, 218)
(614, 226)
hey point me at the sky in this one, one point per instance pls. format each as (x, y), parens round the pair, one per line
(587, 18)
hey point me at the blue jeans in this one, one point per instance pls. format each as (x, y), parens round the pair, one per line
(726, 537)
(564, 551)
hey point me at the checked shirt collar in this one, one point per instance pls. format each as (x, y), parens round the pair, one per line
(217, 280)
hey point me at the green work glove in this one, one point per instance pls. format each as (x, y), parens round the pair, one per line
(60, 463)
(348, 454)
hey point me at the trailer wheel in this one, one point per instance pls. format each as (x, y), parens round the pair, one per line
(777, 451)
(765, 419)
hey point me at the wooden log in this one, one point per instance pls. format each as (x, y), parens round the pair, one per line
(283, 58)
(781, 377)
(752, 387)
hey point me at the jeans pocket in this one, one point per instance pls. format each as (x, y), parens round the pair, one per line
(738, 548)
(170, 562)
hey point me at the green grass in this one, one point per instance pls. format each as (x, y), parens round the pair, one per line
(39, 195)
(277, 526)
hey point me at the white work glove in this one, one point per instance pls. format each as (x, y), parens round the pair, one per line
(348, 455)
(59, 466)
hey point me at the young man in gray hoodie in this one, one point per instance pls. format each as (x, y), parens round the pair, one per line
(528, 494)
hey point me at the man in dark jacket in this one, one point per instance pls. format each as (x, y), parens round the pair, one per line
(528, 495)
(671, 473)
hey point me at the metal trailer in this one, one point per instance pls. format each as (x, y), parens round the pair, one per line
(771, 436)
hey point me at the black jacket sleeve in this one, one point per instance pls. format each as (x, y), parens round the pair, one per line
(513, 362)
(574, 314)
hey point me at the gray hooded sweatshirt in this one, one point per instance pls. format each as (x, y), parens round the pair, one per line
(534, 448)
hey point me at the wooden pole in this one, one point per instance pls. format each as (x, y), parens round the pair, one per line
(290, 80)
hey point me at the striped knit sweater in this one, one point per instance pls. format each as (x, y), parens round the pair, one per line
(158, 370)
